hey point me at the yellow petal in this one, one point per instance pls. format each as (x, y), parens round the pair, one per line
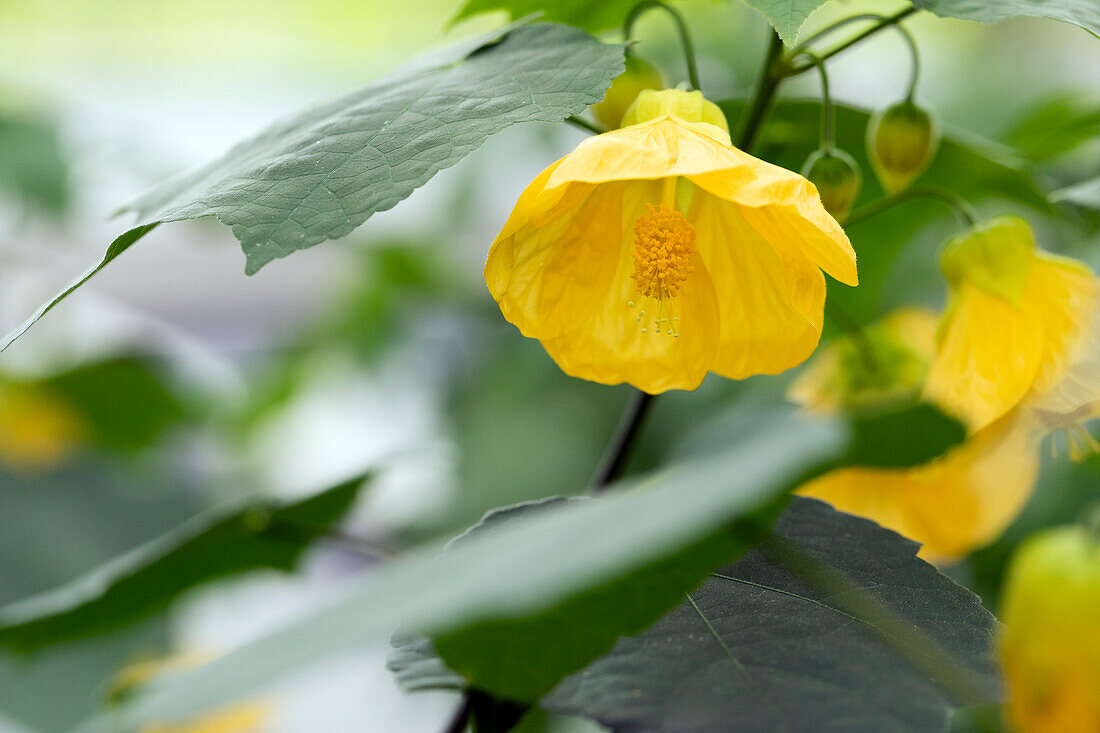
(610, 346)
(992, 354)
(555, 268)
(952, 505)
(658, 149)
(786, 210)
(770, 306)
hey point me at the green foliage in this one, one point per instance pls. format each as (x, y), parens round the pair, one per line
(32, 164)
(320, 174)
(1056, 126)
(125, 401)
(1078, 12)
(786, 16)
(1085, 194)
(907, 436)
(833, 624)
(514, 572)
(146, 579)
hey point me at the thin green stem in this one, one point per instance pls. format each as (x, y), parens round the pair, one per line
(911, 42)
(618, 450)
(770, 78)
(963, 209)
(584, 124)
(828, 137)
(886, 22)
(681, 28)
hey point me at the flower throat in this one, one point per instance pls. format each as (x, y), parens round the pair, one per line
(664, 242)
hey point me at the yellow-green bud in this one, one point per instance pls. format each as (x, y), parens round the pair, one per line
(901, 142)
(637, 77)
(837, 178)
(687, 106)
(1050, 645)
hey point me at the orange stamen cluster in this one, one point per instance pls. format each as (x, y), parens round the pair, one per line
(664, 242)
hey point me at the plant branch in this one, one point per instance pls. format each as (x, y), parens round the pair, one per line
(618, 450)
(770, 78)
(828, 139)
(585, 124)
(882, 23)
(963, 209)
(681, 28)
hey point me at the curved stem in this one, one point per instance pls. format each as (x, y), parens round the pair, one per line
(911, 42)
(770, 78)
(883, 22)
(585, 124)
(681, 28)
(963, 209)
(618, 450)
(828, 138)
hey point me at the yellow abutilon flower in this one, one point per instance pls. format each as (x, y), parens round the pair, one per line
(658, 252)
(1017, 318)
(1050, 643)
(952, 504)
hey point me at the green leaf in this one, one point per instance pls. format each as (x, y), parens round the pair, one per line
(1085, 194)
(320, 174)
(148, 578)
(1055, 126)
(591, 15)
(515, 571)
(970, 166)
(522, 659)
(786, 16)
(1084, 13)
(831, 625)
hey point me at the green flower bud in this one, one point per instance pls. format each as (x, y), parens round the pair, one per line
(837, 178)
(637, 77)
(901, 141)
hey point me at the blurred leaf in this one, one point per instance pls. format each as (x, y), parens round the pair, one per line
(320, 174)
(1056, 126)
(833, 624)
(907, 436)
(591, 15)
(124, 400)
(32, 165)
(786, 16)
(518, 570)
(148, 578)
(970, 166)
(522, 659)
(1084, 13)
(1085, 194)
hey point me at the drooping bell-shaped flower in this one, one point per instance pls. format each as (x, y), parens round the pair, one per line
(1017, 319)
(952, 504)
(658, 252)
(1050, 643)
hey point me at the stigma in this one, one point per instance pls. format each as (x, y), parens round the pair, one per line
(664, 242)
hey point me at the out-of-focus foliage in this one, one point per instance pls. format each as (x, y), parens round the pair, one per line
(33, 165)
(1084, 14)
(1056, 126)
(145, 580)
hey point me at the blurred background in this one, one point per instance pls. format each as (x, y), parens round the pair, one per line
(172, 382)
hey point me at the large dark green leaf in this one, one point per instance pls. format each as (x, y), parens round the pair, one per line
(1085, 13)
(786, 16)
(831, 625)
(515, 571)
(148, 578)
(974, 168)
(320, 174)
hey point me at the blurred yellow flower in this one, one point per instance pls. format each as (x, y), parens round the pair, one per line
(953, 504)
(246, 717)
(1050, 644)
(1017, 319)
(658, 252)
(37, 430)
